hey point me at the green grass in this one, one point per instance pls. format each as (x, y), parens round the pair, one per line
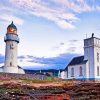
(49, 79)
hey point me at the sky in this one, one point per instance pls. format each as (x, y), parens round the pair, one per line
(51, 32)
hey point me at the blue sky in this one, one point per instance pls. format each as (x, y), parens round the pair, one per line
(51, 32)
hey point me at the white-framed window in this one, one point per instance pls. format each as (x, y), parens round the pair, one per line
(80, 71)
(98, 70)
(72, 72)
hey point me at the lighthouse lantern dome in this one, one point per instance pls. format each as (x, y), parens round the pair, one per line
(12, 26)
(12, 29)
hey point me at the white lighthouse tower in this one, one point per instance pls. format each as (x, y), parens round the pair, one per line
(11, 39)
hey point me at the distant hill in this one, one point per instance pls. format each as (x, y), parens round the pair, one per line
(53, 72)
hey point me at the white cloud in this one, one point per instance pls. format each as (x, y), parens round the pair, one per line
(98, 8)
(62, 12)
(77, 6)
(64, 24)
(38, 8)
(25, 63)
(10, 18)
(71, 46)
(75, 46)
(1, 64)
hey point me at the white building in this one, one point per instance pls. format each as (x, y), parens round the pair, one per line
(85, 67)
(11, 39)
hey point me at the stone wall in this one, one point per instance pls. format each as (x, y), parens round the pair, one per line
(5, 76)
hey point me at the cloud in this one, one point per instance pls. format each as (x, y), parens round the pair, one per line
(63, 13)
(58, 62)
(70, 46)
(7, 13)
(31, 62)
(75, 46)
(24, 61)
(98, 8)
(1, 59)
(77, 6)
(21, 57)
(41, 9)
(10, 18)
(73, 40)
(71, 49)
(61, 43)
(59, 46)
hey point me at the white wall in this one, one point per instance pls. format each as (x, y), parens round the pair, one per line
(11, 54)
(77, 71)
(21, 71)
(64, 74)
(89, 55)
(91, 48)
(86, 70)
(10, 69)
(1, 69)
(96, 50)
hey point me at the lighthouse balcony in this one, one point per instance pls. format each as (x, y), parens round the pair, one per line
(11, 37)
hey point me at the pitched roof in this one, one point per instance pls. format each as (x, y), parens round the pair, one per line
(76, 61)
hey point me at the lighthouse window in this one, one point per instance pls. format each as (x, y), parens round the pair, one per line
(11, 46)
(10, 63)
(97, 57)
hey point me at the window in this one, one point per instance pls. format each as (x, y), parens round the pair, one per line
(72, 72)
(81, 71)
(11, 46)
(97, 57)
(98, 71)
(10, 63)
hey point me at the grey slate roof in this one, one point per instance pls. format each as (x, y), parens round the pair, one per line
(76, 61)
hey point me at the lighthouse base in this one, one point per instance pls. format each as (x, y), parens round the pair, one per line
(17, 69)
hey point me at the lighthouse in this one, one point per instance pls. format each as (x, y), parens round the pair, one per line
(11, 39)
